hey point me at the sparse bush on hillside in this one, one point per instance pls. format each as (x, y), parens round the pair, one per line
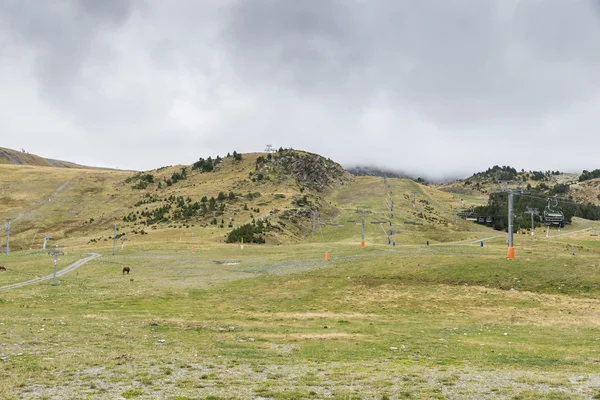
(179, 176)
(538, 176)
(207, 165)
(140, 177)
(251, 196)
(260, 161)
(143, 180)
(587, 175)
(542, 187)
(561, 188)
(248, 232)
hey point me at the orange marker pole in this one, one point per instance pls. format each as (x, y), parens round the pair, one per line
(362, 243)
(511, 253)
(326, 256)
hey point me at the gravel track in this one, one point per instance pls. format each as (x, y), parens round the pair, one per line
(62, 272)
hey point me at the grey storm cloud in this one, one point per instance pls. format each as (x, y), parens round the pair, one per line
(455, 61)
(420, 86)
(62, 34)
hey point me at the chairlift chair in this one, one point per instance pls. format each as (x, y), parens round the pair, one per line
(553, 216)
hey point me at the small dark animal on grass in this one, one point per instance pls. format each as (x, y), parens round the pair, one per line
(2, 268)
(126, 269)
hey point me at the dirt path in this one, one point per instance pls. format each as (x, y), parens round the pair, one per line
(569, 233)
(62, 272)
(41, 203)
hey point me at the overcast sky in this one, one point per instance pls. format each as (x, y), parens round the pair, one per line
(432, 87)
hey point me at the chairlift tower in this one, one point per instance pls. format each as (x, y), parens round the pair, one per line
(7, 229)
(414, 193)
(269, 149)
(363, 212)
(55, 253)
(390, 204)
(532, 211)
(46, 238)
(511, 194)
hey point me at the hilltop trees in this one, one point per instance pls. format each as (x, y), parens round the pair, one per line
(504, 173)
(178, 176)
(207, 165)
(587, 175)
(237, 156)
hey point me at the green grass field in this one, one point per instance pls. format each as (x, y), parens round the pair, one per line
(445, 321)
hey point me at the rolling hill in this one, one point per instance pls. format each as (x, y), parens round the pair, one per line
(289, 196)
(13, 157)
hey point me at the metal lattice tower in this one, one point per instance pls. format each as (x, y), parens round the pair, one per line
(532, 211)
(391, 208)
(363, 212)
(511, 197)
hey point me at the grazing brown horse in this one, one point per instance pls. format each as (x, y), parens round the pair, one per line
(2, 268)
(126, 269)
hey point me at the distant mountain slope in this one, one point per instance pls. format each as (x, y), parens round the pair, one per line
(363, 170)
(9, 156)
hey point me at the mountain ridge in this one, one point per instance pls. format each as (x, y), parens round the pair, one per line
(14, 157)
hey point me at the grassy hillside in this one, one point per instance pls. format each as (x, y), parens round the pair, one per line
(295, 194)
(13, 157)
(79, 206)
